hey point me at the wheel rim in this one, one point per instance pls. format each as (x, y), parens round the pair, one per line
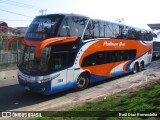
(140, 67)
(81, 82)
(135, 68)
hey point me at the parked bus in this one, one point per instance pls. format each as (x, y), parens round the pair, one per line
(64, 51)
(156, 49)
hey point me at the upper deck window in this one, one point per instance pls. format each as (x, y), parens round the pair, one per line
(72, 26)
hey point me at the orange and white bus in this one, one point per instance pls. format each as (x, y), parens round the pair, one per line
(64, 51)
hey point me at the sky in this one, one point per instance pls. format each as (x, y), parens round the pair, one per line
(138, 13)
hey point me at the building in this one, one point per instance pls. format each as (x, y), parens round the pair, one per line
(156, 29)
(6, 33)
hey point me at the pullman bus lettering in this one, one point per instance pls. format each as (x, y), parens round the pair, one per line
(113, 44)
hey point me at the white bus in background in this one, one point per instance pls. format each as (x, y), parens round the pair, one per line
(156, 45)
(156, 48)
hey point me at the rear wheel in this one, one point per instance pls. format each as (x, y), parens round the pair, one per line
(141, 66)
(82, 82)
(135, 68)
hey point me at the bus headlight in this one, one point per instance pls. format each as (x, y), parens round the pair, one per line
(47, 79)
(44, 80)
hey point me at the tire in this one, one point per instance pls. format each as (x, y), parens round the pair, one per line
(140, 67)
(82, 82)
(135, 68)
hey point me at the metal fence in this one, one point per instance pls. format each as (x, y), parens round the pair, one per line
(9, 59)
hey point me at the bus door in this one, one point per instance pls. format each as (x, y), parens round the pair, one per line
(70, 77)
(59, 67)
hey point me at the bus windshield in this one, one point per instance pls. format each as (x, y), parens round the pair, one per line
(30, 64)
(49, 62)
(43, 27)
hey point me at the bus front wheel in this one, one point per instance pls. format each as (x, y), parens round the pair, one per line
(82, 82)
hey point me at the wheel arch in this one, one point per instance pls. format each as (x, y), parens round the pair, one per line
(78, 78)
(83, 72)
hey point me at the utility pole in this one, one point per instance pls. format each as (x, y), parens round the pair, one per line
(42, 11)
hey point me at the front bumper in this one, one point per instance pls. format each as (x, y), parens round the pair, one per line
(42, 88)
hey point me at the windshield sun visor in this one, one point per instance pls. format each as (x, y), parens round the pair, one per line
(14, 40)
(52, 41)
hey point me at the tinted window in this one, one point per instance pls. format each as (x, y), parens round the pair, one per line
(101, 29)
(109, 30)
(100, 58)
(46, 25)
(89, 60)
(112, 56)
(156, 46)
(96, 30)
(72, 26)
(61, 60)
(88, 32)
(92, 30)
(112, 30)
(149, 36)
(43, 27)
(143, 35)
(127, 55)
(121, 32)
(132, 34)
(104, 57)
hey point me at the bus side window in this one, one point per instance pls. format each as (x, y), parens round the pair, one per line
(89, 60)
(102, 29)
(88, 32)
(101, 58)
(143, 35)
(113, 56)
(149, 36)
(132, 54)
(115, 30)
(138, 35)
(96, 30)
(61, 60)
(78, 25)
(108, 30)
(65, 28)
(120, 34)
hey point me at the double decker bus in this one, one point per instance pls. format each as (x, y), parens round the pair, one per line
(64, 51)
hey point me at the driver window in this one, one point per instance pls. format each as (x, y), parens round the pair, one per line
(62, 60)
(59, 61)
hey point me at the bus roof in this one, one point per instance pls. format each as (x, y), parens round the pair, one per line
(71, 14)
